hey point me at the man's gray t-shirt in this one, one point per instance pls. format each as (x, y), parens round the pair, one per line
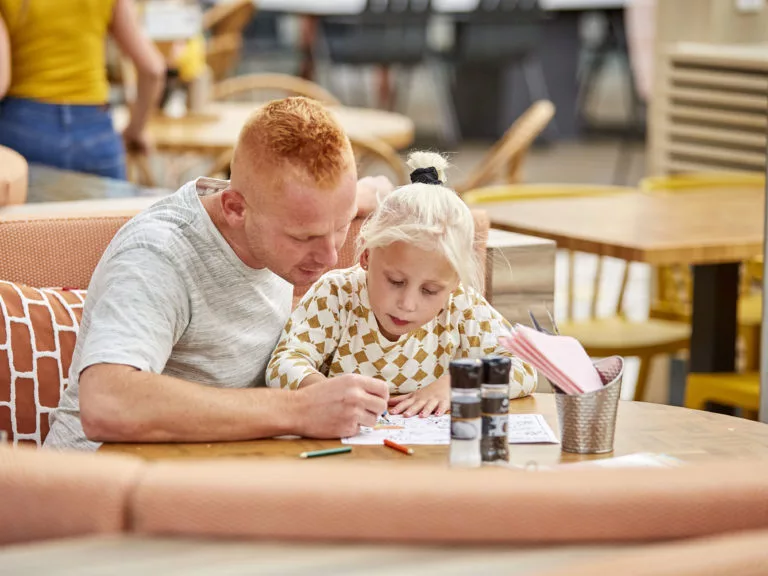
(170, 296)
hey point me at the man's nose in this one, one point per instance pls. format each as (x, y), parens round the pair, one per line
(326, 253)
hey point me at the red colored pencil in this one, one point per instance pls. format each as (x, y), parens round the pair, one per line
(398, 447)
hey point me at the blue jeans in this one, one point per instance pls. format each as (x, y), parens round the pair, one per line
(72, 137)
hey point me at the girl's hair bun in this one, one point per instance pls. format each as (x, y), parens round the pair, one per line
(425, 160)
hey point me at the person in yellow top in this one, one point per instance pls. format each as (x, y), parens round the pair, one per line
(53, 82)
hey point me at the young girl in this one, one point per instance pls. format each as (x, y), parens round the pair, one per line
(410, 307)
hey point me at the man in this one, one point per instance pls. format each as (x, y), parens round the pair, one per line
(189, 299)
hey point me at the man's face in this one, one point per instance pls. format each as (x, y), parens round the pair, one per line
(297, 229)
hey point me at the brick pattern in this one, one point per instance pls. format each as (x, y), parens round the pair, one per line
(38, 332)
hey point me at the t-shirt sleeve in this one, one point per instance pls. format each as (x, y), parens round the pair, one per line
(310, 337)
(480, 326)
(136, 309)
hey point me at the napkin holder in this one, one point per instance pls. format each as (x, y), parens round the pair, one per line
(588, 421)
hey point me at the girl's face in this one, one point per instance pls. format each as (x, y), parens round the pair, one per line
(407, 286)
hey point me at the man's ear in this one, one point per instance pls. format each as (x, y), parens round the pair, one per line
(364, 259)
(233, 206)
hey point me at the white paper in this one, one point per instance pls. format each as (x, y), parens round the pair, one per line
(530, 429)
(436, 430)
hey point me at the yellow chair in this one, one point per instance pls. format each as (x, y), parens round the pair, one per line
(699, 180)
(674, 284)
(605, 335)
(737, 390)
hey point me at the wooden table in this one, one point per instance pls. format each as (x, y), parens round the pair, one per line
(641, 427)
(712, 230)
(216, 129)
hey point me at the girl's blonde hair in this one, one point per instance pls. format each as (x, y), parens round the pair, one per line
(429, 216)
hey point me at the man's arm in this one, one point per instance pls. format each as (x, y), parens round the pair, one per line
(137, 309)
(122, 404)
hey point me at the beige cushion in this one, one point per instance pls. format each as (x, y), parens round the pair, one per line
(45, 494)
(13, 177)
(339, 499)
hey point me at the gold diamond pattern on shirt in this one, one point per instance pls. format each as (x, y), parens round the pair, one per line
(334, 329)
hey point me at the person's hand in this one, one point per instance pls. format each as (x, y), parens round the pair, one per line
(337, 407)
(369, 191)
(136, 141)
(433, 399)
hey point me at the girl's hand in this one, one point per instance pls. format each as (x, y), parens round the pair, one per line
(433, 399)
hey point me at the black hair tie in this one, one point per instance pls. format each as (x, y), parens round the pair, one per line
(425, 176)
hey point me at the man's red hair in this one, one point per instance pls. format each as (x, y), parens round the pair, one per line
(296, 132)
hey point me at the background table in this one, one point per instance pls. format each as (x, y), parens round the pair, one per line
(217, 127)
(713, 230)
(641, 427)
(47, 184)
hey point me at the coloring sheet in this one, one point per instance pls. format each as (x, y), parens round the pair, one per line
(436, 430)
(430, 430)
(530, 429)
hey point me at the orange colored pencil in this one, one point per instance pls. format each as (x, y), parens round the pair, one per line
(398, 447)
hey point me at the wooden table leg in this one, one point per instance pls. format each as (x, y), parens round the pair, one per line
(386, 89)
(715, 300)
(306, 46)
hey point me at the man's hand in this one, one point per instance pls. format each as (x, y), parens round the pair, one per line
(337, 407)
(369, 191)
(435, 398)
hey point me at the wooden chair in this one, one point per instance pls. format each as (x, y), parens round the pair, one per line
(508, 154)
(239, 86)
(601, 336)
(371, 151)
(228, 17)
(222, 54)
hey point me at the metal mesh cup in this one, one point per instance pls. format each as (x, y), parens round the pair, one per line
(588, 421)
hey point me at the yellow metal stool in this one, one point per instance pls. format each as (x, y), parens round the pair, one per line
(727, 388)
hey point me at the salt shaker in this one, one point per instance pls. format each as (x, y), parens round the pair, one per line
(466, 377)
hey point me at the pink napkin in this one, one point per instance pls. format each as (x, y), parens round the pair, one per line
(561, 359)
